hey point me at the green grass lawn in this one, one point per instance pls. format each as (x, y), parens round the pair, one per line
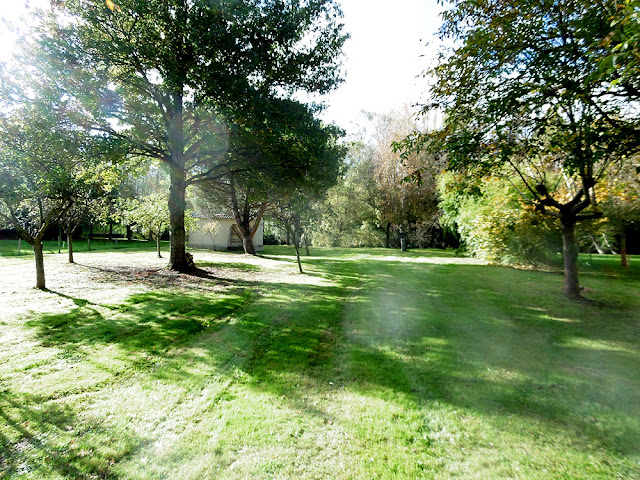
(9, 248)
(374, 364)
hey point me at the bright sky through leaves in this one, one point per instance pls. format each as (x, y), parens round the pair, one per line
(391, 44)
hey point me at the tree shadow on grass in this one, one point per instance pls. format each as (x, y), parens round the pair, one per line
(145, 329)
(40, 438)
(499, 342)
(146, 322)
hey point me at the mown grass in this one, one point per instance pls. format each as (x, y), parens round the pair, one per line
(388, 365)
(10, 248)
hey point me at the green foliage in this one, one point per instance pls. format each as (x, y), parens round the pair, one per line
(145, 214)
(620, 196)
(282, 147)
(523, 88)
(46, 165)
(347, 216)
(494, 222)
(621, 60)
(168, 79)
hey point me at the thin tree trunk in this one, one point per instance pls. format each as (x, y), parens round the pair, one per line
(110, 232)
(90, 235)
(624, 260)
(596, 245)
(19, 245)
(158, 245)
(570, 257)
(37, 252)
(59, 238)
(70, 246)
(295, 244)
(607, 244)
(403, 239)
(388, 236)
(306, 243)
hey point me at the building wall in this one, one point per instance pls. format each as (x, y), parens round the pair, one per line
(219, 240)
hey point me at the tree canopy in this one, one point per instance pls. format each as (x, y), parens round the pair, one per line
(522, 88)
(164, 79)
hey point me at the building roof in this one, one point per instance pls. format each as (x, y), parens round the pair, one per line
(215, 216)
(203, 213)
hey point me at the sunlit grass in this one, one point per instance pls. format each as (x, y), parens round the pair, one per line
(10, 248)
(379, 368)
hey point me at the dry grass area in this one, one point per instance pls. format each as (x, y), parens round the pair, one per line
(111, 277)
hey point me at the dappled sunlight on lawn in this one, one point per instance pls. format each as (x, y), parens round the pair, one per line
(371, 365)
(444, 260)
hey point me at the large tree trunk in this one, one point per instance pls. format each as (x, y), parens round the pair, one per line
(570, 256)
(70, 246)
(179, 259)
(245, 230)
(247, 243)
(37, 252)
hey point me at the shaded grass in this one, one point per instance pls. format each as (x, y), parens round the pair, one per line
(388, 370)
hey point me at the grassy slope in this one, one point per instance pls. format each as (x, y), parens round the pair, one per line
(379, 366)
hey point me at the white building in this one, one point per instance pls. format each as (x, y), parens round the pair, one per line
(220, 232)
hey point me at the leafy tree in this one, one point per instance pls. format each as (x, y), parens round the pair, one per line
(294, 213)
(494, 222)
(521, 89)
(401, 202)
(620, 202)
(72, 219)
(282, 150)
(230, 194)
(38, 172)
(348, 215)
(149, 214)
(175, 73)
(621, 59)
